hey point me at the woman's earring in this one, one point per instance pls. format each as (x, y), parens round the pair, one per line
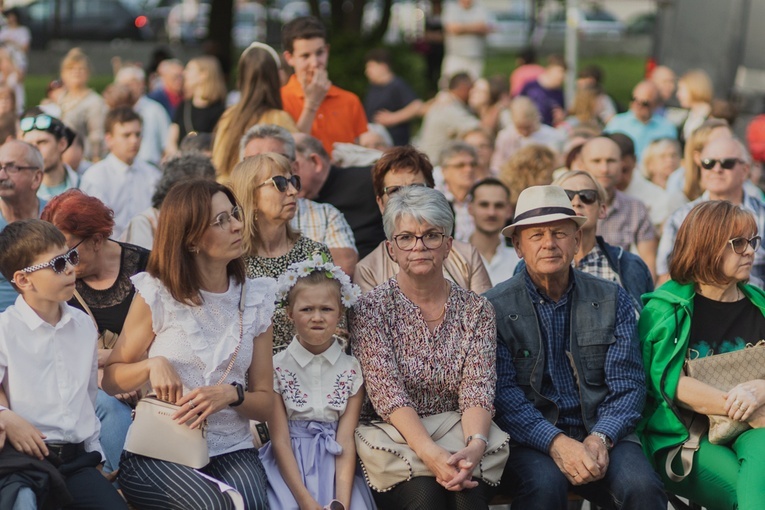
(255, 214)
(194, 250)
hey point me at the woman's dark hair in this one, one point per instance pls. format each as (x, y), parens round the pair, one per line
(703, 238)
(185, 166)
(183, 220)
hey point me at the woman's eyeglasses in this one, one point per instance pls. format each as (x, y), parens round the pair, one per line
(223, 220)
(58, 264)
(390, 190)
(725, 163)
(739, 244)
(281, 183)
(431, 241)
(587, 196)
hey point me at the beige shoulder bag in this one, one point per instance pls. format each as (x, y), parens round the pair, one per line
(155, 434)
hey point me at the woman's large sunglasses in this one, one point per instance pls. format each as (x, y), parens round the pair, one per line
(587, 196)
(58, 264)
(281, 183)
(739, 244)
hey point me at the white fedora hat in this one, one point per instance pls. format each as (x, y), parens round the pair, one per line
(543, 204)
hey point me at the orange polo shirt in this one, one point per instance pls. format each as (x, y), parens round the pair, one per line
(340, 117)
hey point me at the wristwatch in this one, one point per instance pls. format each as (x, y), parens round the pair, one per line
(239, 393)
(606, 440)
(477, 436)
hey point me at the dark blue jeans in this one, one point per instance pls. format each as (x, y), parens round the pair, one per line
(534, 481)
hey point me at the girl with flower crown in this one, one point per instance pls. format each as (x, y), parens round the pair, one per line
(311, 459)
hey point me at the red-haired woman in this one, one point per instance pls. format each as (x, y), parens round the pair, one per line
(103, 290)
(200, 332)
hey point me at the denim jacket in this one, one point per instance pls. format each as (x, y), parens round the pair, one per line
(594, 321)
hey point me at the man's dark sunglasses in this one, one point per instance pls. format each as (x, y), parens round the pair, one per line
(587, 196)
(725, 163)
(281, 183)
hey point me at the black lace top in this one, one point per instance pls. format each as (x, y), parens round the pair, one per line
(110, 306)
(273, 268)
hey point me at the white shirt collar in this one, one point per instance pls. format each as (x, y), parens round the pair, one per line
(303, 356)
(117, 163)
(34, 321)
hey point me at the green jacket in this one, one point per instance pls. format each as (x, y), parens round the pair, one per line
(664, 328)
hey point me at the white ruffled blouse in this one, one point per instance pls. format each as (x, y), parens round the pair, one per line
(199, 340)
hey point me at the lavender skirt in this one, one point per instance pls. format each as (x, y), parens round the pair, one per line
(315, 449)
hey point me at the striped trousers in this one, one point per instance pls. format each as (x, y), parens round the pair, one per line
(156, 484)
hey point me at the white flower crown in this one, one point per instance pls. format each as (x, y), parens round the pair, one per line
(349, 292)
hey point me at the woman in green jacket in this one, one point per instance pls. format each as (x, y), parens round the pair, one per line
(707, 307)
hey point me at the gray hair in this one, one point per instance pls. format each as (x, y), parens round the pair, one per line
(33, 156)
(262, 131)
(127, 73)
(424, 205)
(307, 145)
(454, 148)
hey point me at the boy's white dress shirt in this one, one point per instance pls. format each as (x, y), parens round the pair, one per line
(49, 373)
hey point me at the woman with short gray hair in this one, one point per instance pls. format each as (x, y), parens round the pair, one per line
(427, 346)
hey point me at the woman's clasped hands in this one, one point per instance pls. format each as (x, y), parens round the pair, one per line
(453, 471)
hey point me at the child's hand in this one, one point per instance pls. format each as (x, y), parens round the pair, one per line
(22, 435)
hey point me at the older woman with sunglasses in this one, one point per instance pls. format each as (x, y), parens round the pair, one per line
(595, 256)
(707, 308)
(427, 346)
(104, 291)
(267, 190)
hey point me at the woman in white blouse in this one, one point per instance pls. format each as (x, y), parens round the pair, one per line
(186, 316)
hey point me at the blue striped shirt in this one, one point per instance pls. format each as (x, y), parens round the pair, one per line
(619, 411)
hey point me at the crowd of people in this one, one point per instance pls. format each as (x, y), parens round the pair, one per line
(287, 264)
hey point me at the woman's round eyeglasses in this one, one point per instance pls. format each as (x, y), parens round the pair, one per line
(739, 244)
(430, 240)
(223, 220)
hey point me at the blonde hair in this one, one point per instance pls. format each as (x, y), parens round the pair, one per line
(246, 178)
(532, 165)
(653, 150)
(699, 86)
(213, 87)
(75, 57)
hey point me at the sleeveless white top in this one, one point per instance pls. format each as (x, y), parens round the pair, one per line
(198, 341)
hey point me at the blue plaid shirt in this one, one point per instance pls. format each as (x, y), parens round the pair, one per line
(619, 411)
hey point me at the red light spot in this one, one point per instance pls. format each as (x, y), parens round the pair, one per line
(141, 21)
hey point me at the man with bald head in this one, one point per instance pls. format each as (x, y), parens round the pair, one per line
(627, 222)
(725, 165)
(665, 80)
(21, 173)
(641, 123)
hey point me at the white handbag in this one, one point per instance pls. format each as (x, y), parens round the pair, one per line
(155, 434)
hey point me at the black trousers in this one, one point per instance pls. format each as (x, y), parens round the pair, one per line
(424, 493)
(89, 489)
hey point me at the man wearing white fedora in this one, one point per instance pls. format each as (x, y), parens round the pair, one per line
(570, 381)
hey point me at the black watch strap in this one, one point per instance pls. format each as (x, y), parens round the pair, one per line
(239, 394)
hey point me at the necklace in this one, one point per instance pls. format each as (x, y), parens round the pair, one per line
(437, 318)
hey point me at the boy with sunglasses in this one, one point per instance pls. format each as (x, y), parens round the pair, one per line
(48, 369)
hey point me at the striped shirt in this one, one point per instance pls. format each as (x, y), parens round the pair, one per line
(324, 224)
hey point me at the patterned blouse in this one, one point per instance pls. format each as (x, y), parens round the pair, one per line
(273, 267)
(405, 365)
(316, 387)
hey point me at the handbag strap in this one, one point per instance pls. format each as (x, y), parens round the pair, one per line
(241, 336)
(686, 450)
(86, 307)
